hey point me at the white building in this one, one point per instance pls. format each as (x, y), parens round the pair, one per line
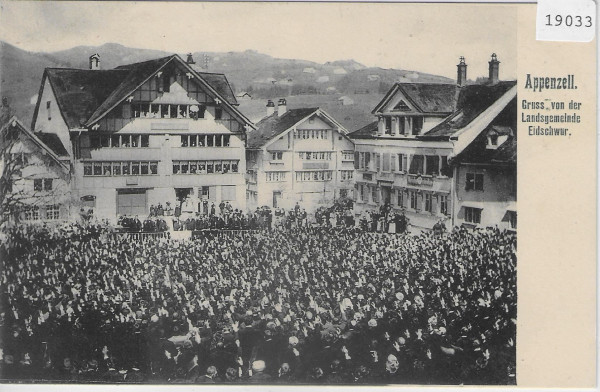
(298, 155)
(146, 133)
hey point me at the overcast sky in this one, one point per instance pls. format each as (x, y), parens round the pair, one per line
(422, 37)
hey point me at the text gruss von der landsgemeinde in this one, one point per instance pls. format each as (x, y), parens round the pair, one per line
(536, 112)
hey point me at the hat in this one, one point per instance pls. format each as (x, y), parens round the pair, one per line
(372, 323)
(293, 340)
(258, 366)
(391, 358)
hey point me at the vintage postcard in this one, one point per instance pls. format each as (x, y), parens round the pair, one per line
(283, 194)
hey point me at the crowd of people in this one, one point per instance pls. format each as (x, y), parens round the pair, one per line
(298, 304)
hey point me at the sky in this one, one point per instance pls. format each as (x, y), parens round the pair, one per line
(421, 37)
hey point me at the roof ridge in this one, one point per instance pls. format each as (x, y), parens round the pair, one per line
(125, 66)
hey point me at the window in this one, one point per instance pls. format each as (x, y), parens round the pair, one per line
(401, 162)
(123, 168)
(114, 141)
(346, 174)
(52, 212)
(388, 125)
(145, 141)
(218, 113)
(365, 193)
(444, 204)
(444, 165)
(432, 164)
(348, 156)
(97, 168)
(275, 176)
(416, 164)
(428, 203)
(38, 184)
(417, 125)
(474, 182)
(32, 213)
(184, 140)
(277, 156)
(402, 106)
(386, 161)
(472, 215)
(226, 140)
(494, 139)
(413, 200)
(374, 194)
(205, 192)
(400, 197)
(377, 162)
(48, 104)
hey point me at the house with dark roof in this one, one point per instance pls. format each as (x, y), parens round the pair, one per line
(144, 134)
(35, 175)
(299, 156)
(402, 158)
(485, 176)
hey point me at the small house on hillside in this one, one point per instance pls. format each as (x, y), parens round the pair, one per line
(345, 100)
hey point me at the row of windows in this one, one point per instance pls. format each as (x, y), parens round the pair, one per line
(315, 155)
(40, 184)
(413, 164)
(122, 168)
(205, 167)
(147, 110)
(346, 175)
(52, 212)
(311, 134)
(347, 155)
(408, 199)
(122, 141)
(402, 125)
(205, 140)
(321, 175)
(275, 176)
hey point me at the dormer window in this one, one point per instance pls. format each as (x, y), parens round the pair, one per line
(497, 136)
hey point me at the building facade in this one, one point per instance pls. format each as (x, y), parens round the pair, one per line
(146, 134)
(298, 156)
(35, 181)
(402, 158)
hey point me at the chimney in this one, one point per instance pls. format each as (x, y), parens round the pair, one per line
(461, 77)
(494, 69)
(190, 59)
(95, 61)
(282, 107)
(270, 107)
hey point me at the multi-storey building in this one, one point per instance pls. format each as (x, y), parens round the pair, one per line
(34, 182)
(298, 155)
(145, 134)
(402, 158)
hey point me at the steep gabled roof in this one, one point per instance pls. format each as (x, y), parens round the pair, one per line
(220, 83)
(431, 98)
(472, 101)
(79, 92)
(137, 74)
(274, 125)
(53, 142)
(14, 122)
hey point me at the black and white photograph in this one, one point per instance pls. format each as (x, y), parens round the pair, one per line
(258, 193)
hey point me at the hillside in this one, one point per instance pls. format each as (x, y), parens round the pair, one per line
(305, 83)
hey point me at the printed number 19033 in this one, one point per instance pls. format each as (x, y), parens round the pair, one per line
(569, 20)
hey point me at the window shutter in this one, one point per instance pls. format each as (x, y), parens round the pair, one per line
(356, 159)
(393, 162)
